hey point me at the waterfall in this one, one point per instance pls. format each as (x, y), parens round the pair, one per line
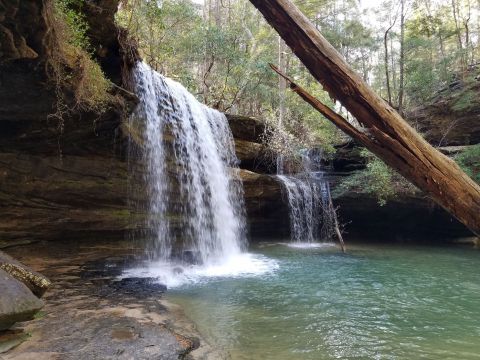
(303, 206)
(195, 205)
(308, 195)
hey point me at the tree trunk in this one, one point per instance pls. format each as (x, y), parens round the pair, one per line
(459, 36)
(395, 141)
(394, 72)
(282, 90)
(282, 84)
(218, 14)
(478, 34)
(387, 74)
(402, 59)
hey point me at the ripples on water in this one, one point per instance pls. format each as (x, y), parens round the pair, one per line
(316, 303)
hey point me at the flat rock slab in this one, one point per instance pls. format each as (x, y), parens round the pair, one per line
(91, 314)
(9, 339)
(112, 333)
(17, 303)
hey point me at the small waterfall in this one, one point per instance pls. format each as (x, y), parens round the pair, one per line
(304, 208)
(195, 200)
(310, 211)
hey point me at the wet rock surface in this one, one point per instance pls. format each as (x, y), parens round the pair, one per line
(246, 128)
(267, 210)
(188, 257)
(90, 313)
(10, 339)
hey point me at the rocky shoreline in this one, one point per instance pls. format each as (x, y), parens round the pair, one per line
(90, 314)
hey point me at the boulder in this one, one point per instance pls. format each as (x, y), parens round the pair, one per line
(17, 303)
(35, 281)
(246, 128)
(254, 156)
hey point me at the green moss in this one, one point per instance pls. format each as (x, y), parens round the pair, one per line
(40, 315)
(121, 213)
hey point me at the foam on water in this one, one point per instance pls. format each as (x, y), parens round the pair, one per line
(175, 275)
(305, 245)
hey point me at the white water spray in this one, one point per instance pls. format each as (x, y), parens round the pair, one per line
(308, 194)
(189, 155)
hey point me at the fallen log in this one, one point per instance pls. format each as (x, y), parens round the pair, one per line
(335, 224)
(396, 142)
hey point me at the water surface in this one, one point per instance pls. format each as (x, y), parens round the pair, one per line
(376, 302)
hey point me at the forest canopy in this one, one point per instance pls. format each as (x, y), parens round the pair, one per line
(406, 50)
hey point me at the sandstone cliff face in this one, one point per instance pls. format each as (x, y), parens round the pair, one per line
(54, 184)
(74, 184)
(406, 217)
(452, 117)
(266, 205)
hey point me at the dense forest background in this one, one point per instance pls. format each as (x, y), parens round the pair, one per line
(406, 50)
(409, 51)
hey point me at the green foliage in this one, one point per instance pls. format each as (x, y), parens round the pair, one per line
(465, 100)
(380, 178)
(221, 55)
(164, 32)
(469, 161)
(377, 180)
(72, 65)
(467, 97)
(433, 53)
(422, 77)
(40, 315)
(69, 12)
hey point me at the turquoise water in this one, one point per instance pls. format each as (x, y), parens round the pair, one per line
(376, 302)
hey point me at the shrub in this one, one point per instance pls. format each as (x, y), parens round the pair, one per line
(71, 66)
(377, 179)
(469, 161)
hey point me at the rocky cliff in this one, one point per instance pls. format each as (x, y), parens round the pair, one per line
(68, 178)
(407, 216)
(59, 178)
(452, 116)
(267, 210)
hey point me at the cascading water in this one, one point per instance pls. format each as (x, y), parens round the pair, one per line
(310, 211)
(195, 200)
(303, 204)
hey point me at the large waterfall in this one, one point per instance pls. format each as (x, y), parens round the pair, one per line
(195, 201)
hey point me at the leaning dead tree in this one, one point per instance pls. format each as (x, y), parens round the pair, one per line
(384, 131)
